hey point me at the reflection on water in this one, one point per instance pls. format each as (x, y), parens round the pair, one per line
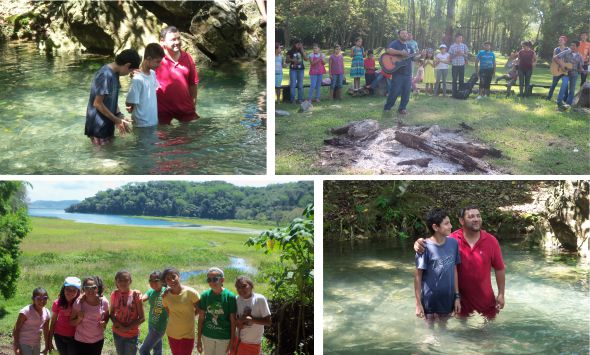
(42, 115)
(369, 306)
(240, 264)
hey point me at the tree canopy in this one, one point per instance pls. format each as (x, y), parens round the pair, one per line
(503, 22)
(215, 200)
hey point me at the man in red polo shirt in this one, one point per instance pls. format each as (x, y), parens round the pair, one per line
(480, 252)
(178, 79)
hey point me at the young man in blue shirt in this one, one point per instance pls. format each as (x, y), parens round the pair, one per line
(485, 67)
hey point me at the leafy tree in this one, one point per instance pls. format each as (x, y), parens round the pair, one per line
(14, 226)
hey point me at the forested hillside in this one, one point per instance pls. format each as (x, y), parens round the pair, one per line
(215, 200)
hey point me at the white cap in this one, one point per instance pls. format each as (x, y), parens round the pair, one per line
(72, 281)
(442, 46)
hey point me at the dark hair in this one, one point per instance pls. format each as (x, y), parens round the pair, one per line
(487, 42)
(62, 301)
(295, 41)
(458, 34)
(245, 279)
(577, 43)
(435, 216)
(153, 51)
(369, 52)
(97, 281)
(166, 30)
(358, 39)
(128, 56)
(169, 270)
(315, 45)
(337, 46)
(467, 208)
(400, 31)
(157, 273)
(121, 273)
(39, 291)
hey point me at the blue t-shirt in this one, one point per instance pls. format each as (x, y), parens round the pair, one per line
(407, 68)
(438, 277)
(486, 59)
(106, 83)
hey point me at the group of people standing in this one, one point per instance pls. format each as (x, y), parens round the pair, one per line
(163, 87)
(79, 317)
(432, 69)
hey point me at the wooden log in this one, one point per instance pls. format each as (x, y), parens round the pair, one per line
(476, 150)
(446, 152)
(421, 162)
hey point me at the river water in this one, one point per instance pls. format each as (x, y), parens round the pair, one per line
(369, 305)
(42, 115)
(134, 221)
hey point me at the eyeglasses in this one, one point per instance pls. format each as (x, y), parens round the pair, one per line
(213, 279)
(41, 298)
(93, 287)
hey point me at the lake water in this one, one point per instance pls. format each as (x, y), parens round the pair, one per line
(134, 221)
(369, 306)
(42, 115)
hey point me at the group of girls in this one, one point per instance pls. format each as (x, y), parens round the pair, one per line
(79, 317)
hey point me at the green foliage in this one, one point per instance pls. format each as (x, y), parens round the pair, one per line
(214, 200)
(14, 226)
(292, 277)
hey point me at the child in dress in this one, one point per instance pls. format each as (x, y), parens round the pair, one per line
(32, 320)
(419, 76)
(279, 65)
(429, 78)
(316, 70)
(357, 69)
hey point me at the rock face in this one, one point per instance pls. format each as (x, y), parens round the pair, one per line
(567, 212)
(215, 31)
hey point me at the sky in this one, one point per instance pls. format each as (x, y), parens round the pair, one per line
(76, 189)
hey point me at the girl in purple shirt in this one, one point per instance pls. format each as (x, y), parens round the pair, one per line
(336, 63)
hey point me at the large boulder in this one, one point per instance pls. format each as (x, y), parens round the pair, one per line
(567, 210)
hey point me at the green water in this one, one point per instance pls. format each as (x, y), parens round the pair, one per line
(369, 306)
(42, 116)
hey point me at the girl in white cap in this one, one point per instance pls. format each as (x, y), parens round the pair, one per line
(60, 328)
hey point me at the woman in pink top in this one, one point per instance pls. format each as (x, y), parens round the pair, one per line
(90, 316)
(316, 70)
(32, 320)
(60, 328)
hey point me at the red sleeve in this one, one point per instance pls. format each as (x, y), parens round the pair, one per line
(497, 260)
(55, 307)
(193, 75)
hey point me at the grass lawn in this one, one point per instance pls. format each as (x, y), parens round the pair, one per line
(58, 248)
(533, 135)
(217, 222)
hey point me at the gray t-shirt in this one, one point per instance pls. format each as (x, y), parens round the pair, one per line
(438, 277)
(106, 83)
(142, 94)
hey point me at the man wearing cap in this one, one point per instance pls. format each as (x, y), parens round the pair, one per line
(178, 79)
(217, 316)
(480, 252)
(441, 65)
(60, 328)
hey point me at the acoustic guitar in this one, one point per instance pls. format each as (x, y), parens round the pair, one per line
(390, 63)
(556, 69)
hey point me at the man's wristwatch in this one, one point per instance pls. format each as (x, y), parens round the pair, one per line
(457, 295)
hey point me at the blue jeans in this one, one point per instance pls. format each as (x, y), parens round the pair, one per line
(400, 85)
(316, 84)
(567, 90)
(336, 81)
(125, 346)
(553, 85)
(153, 340)
(296, 80)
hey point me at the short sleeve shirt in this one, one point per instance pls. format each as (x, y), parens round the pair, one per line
(30, 332)
(525, 59)
(125, 309)
(181, 313)
(296, 62)
(438, 277)
(89, 330)
(62, 324)
(142, 94)
(370, 65)
(486, 59)
(406, 69)
(257, 307)
(175, 80)
(217, 308)
(105, 83)
(442, 57)
(158, 317)
(455, 48)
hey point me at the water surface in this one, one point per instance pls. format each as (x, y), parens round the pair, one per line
(42, 116)
(369, 306)
(133, 221)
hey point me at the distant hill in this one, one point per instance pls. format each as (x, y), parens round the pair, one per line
(57, 205)
(213, 199)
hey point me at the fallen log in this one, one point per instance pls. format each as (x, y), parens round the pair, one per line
(476, 150)
(446, 152)
(421, 162)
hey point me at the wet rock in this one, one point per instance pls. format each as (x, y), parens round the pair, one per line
(280, 113)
